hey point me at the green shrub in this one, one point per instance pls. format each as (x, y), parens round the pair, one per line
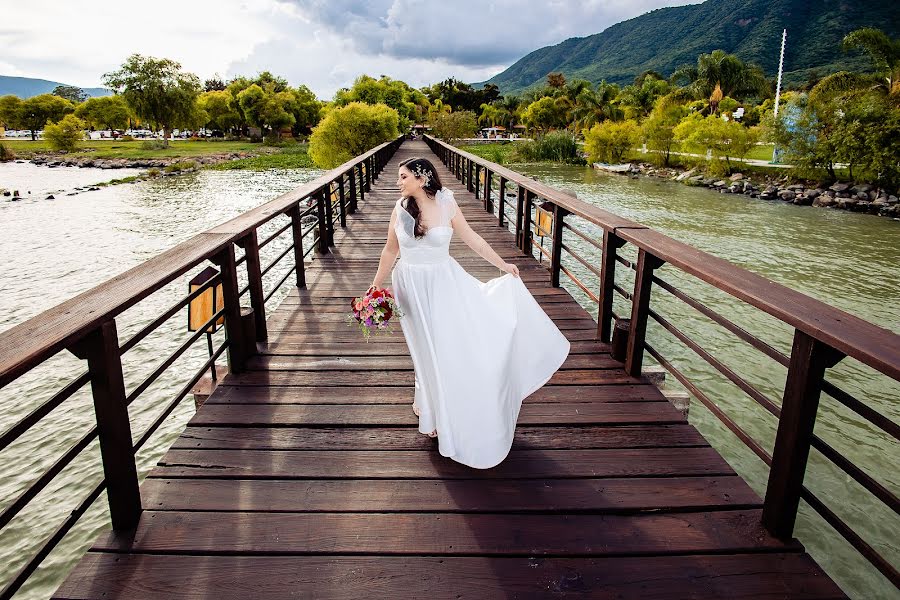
(610, 141)
(153, 145)
(349, 131)
(126, 138)
(558, 146)
(65, 134)
(6, 153)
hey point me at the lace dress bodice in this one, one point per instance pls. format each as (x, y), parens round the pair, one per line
(434, 246)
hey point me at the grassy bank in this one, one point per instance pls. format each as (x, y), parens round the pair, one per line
(293, 156)
(136, 149)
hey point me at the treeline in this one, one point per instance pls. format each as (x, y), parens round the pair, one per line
(159, 95)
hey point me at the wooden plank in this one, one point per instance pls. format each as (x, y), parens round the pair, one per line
(407, 438)
(735, 576)
(392, 363)
(425, 464)
(404, 395)
(281, 415)
(611, 376)
(445, 534)
(609, 496)
(354, 348)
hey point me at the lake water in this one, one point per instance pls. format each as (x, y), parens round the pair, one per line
(55, 249)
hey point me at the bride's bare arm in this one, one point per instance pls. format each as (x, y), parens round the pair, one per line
(477, 243)
(388, 253)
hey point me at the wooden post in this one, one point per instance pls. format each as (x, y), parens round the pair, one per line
(329, 215)
(809, 360)
(297, 230)
(640, 304)
(370, 173)
(611, 243)
(526, 223)
(501, 218)
(362, 183)
(559, 214)
(322, 245)
(520, 210)
(352, 175)
(469, 170)
(488, 202)
(250, 244)
(341, 201)
(238, 347)
(477, 183)
(101, 350)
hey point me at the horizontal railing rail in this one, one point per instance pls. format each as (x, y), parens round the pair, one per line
(823, 334)
(86, 326)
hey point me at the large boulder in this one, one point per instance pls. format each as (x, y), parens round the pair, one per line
(839, 187)
(787, 195)
(736, 177)
(824, 201)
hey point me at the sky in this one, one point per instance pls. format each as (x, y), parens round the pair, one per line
(323, 44)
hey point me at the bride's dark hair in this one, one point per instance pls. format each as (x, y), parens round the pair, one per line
(420, 167)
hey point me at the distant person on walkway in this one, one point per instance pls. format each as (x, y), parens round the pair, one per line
(478, 349)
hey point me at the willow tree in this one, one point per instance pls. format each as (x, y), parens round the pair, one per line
(157, 91)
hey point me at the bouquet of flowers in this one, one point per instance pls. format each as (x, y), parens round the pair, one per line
(373, 311)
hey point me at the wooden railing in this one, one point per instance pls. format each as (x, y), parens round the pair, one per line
(87, 327)
(823, 335)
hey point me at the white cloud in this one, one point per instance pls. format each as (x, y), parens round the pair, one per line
(324, 44)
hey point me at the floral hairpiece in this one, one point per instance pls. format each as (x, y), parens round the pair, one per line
(420, 172)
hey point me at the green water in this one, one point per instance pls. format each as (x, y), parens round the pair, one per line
(847, 260)
(65, 246)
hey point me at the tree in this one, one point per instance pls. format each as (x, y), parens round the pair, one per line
(455, 126)
(214, 84)
(35, 112)
(306, 109)
(659, 128)
(157, 91)
(350, 130)
(637, 100)
(392, 92)
(725, 139)
(105, 112)
(220, 109)
(610, 140)
(544, 114)
(72, 93)
(556, 80)
(65, 134)
(734, 77)
(596, 106)
(9, 111)
(885, 56)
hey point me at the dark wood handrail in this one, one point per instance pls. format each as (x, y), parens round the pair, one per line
(26, 345)
(874, 346)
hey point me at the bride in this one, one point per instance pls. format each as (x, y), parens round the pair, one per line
(478, 349)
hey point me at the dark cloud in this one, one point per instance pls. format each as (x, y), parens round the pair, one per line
(468, 32)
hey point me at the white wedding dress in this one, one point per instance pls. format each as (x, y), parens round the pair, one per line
(478, 349)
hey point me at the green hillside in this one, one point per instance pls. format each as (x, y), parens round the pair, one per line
(26, 87)
(666, 38)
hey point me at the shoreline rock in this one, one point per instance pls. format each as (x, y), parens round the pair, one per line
(841, 195)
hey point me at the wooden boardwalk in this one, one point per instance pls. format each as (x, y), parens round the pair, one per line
(305, 476)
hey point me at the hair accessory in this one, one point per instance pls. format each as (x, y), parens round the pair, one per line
(420, 172)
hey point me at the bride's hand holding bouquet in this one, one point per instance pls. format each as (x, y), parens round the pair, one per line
(373, 311)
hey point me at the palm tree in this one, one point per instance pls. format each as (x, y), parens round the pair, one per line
(596, 106)
(885, 56)
(734, 77)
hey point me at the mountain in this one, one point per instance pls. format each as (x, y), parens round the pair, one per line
(25, 87)
(667, 38)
